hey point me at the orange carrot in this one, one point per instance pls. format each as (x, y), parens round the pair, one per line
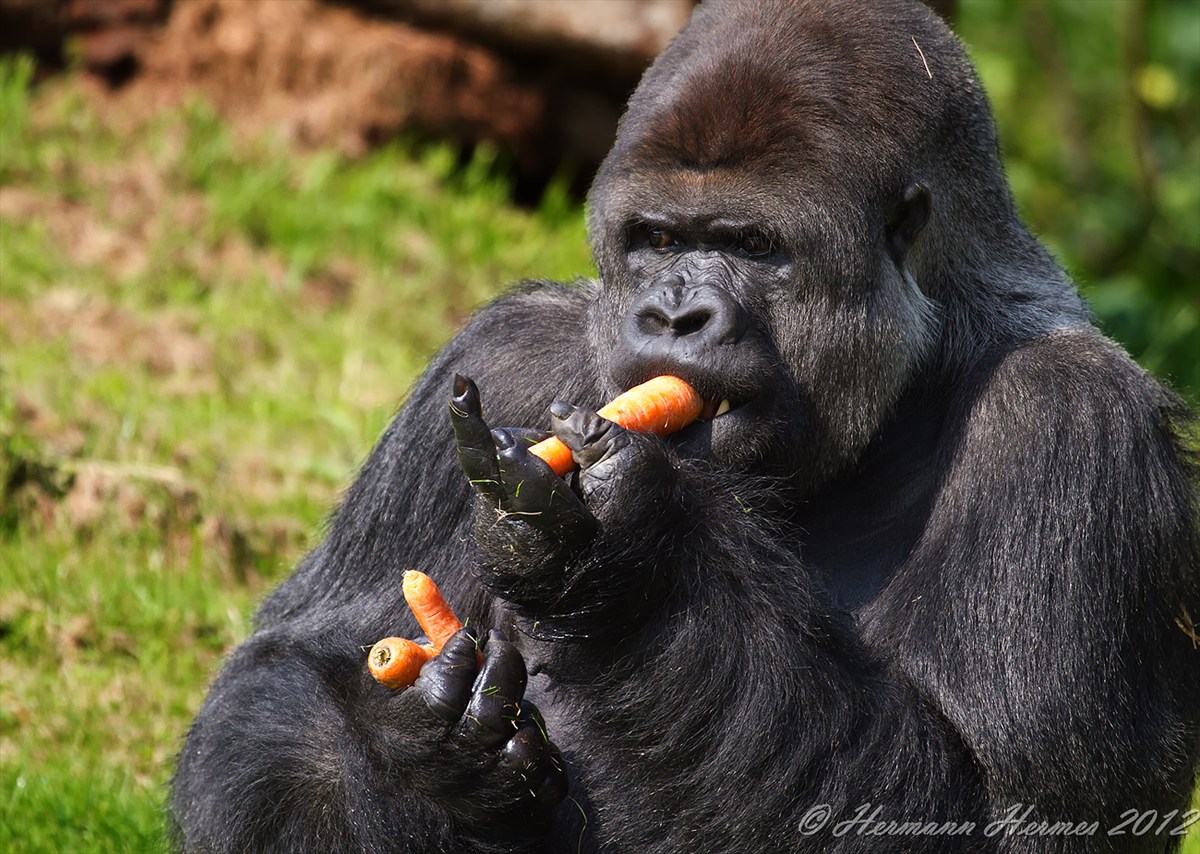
(396, 662)
(663, 405)
(436, 619)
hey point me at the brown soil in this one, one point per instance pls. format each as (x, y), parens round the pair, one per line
(325, 75)
(544, 82)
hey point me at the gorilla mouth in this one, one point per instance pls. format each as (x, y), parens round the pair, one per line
(735, 401)
(726, 427)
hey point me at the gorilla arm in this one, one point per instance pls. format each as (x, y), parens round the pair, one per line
(1040, 603)
(708, 694)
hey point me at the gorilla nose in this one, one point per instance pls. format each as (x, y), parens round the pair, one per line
(684, 316)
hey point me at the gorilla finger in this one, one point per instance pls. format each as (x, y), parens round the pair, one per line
(491, 715)
(532, 488)
(591, 438)
(531, 714)
(476, 453)
(464, 399)
(537, 765)
(608, 454)
(446, 679)
(527, 436)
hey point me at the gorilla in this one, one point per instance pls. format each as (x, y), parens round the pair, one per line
(914, 582)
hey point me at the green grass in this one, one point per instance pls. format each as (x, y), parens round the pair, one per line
(200, 338)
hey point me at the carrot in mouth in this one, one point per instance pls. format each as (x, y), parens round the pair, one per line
(661, 406)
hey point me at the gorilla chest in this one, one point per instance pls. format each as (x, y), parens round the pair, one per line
(854, 562)
(854, 536)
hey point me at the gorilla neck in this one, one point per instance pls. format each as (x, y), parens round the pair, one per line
(994, 283)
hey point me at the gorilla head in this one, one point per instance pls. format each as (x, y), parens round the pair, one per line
(789, 210)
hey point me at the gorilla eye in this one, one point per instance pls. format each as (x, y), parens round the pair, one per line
(755, 244)
(660, 238)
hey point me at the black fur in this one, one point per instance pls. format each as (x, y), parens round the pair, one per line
(932, 561)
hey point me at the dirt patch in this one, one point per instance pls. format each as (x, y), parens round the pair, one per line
(79, 497)
(544, 85)
(323, 75)
(330, 286)
(60, 437)
(75, 230)
(241, 547)
(102, 334)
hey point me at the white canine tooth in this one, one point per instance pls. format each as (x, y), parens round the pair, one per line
(723, 408)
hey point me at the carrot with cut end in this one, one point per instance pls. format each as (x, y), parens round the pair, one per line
(662, 405)
(430, 608)
(397, 662)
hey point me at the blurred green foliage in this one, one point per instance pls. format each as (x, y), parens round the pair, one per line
(1098, 103)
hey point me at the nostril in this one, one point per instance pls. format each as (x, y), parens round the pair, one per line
(691, 322)
(651, 322)
(696, 316)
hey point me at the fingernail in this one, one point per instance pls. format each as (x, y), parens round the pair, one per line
(560, 409)
(502, 438)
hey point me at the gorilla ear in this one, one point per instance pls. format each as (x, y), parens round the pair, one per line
(906, 219)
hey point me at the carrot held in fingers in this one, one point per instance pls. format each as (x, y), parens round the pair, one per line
(555, 454)
(430, 608)
(662, 405)
(397, 662)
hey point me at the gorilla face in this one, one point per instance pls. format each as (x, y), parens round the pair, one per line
(798, 347)
(762, 255)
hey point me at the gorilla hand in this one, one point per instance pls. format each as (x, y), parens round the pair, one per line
(481, 748)
(514, 483)
(557, 548)
(622, 475)
(619, 470)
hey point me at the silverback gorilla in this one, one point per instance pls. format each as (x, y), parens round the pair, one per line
(924, 561)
